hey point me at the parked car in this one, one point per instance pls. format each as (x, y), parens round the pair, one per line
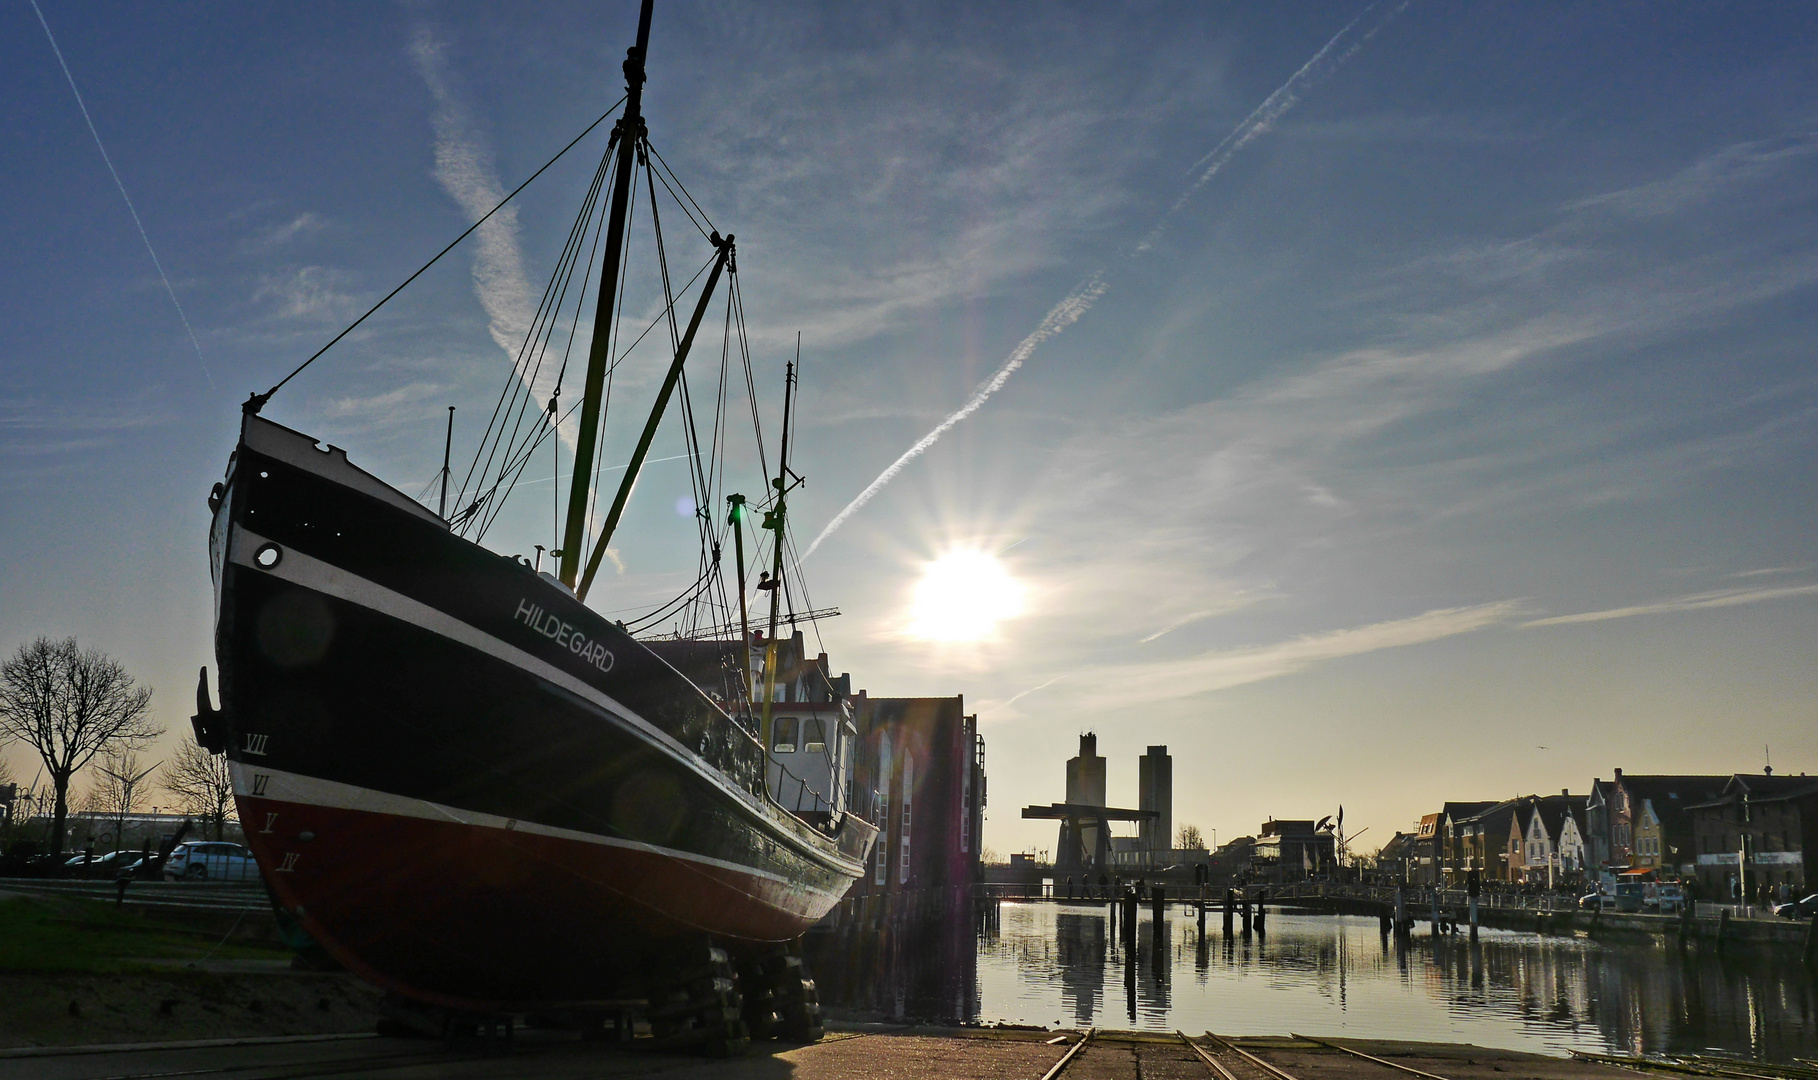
(211, 860)
(111, 864)
(1597, 901)
(18, 860)
(1799, 909)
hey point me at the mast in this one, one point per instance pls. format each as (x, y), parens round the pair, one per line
(636, 463)
(775, 521)
(447, 449)
(628, 134)
(736, 516)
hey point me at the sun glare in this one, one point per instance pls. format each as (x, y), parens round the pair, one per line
(962, 596)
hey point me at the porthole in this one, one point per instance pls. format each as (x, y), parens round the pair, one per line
(268, 556)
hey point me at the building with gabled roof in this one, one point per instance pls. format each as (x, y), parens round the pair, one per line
(1552, 847)
(1488, 841)
(1756, 832)
(1651, 828)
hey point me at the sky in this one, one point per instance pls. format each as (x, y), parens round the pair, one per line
(1375, 404)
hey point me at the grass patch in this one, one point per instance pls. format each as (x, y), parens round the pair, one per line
(87, 936)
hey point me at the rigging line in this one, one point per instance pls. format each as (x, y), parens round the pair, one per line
(692, 220)
(118, 183)
(614, 353)
(706, 266)
(518, 392)
(716, 466)
(574, 327)
(574, 331)
(497, 506)
(485, 497)
(258, 400)
(692, 588)
(669, 608)
(691, 439)
(612, 366)
(679, 184)
(757, 422)
(656, 226)
(514, 382)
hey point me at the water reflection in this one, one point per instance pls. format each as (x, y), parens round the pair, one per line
(1072, 965)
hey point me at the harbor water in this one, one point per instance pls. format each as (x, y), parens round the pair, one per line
(1060, 965)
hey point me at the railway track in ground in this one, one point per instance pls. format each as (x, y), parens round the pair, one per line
(1228, 1061)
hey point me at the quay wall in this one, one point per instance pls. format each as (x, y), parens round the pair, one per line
(1454, 910)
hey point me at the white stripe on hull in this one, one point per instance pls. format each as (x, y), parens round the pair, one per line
(324, 577)
(313, 791)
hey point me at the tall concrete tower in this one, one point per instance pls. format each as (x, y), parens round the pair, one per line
(1155, 791)
(1085, 784)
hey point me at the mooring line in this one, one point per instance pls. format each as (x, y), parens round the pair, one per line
(1368, 1057)
(1211, 1062)
(1068, 1056)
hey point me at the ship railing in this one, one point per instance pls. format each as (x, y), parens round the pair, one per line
(794, 794)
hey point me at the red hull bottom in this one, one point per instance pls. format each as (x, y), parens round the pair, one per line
(479, 917)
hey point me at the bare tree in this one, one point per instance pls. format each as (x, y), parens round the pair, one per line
(202, 785)
(71, 704)
(1189, 838)
(121, 791)
(10, 797)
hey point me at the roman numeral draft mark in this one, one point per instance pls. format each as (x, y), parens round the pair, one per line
(288, 865)
(255, 744)
(270, 820)
(261, 781)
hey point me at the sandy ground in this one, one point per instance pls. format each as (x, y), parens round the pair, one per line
(70, 1010)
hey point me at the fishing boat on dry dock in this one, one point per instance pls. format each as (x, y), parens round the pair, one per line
(470, 787)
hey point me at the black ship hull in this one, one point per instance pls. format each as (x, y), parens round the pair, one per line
(467, 786)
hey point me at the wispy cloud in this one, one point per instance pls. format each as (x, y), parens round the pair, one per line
(1719, 598)
(387, 405)
(284, 232)
(466, 170)
(308, 292)
(1711, 176)
(1222, 669)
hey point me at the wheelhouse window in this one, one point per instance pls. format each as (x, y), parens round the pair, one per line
(814, 735)
(784, 742)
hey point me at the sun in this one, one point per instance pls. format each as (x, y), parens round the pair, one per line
(962, 596)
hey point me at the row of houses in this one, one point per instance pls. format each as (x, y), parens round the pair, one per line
(1732, 835)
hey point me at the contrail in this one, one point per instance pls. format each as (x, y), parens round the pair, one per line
(1324, 62)
(115, 173)
(1261, 119)
(1065, 314)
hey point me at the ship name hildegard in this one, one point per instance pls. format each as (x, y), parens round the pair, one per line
(564, 635)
